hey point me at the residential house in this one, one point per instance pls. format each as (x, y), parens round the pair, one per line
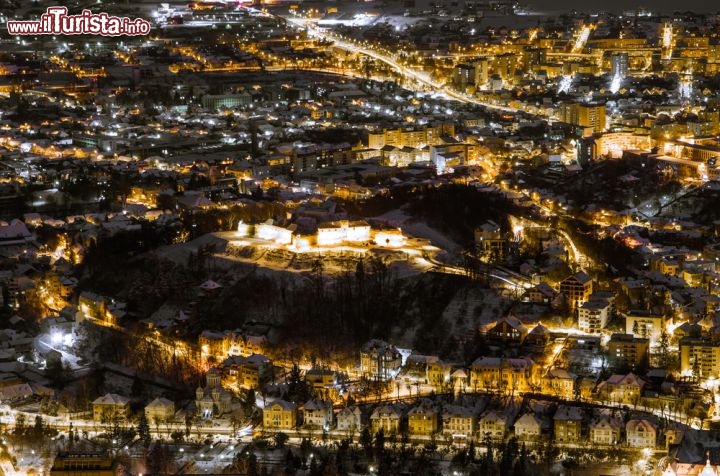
(490, 242)
(67, 286)
(253, 371)
(667, 265)
(379, 360)
(427, 369)
(247, 372)
(528, 427)
(438, 374)
(235, 343)
(538, 336)
(423, 420)
(12, 388)
(349, 419)
(111, 407)
(458, 422)
(386, 417)
(542, 293)
(211, 344)
(493, 424)
(508, 329)
(640, 433)
(695, 452)
(99, 309)
(318, 413)
(322, 381)
(228, 343)
(568, 424)
(280, 415)
(625, 389)
(559, 383)
(605, 430)
(502, 374)
(160, 410)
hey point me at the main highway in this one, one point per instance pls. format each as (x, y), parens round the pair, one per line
(419, 77)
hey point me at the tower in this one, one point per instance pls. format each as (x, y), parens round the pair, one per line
(619, 65)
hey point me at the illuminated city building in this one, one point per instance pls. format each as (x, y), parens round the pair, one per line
(492, 423)
(567, 424)
(160, 410)
(280, 415)
(411, 137)
(605, 431)
(321, 380)
(502, 374)
(641, 433)
(508, 329)
(613, 144)
(626, 349)
(593, 315)
(426, 369)
(587, 115)
(490, 242)
(576, 289)
(334, 233)
(318, 413)
(624, 389)
(559, 382)
(226, 101)
(99, 309)
(386, 418)
(463, 76)
(222, 344)
(380, 360)
(423, 420)
(349, 419)
(247, 372)
(528, 427)
(314, 157)
(645, 324)
(111, 407)
(458, 422)
(699, 357)
(212, 400)
(73, 463)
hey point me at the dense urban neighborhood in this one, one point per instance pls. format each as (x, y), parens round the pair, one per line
(354, 238)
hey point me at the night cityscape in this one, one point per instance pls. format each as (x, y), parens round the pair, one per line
(344, 238)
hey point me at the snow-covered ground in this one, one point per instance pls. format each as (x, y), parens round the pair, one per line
(419, 229)
(473, 308)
